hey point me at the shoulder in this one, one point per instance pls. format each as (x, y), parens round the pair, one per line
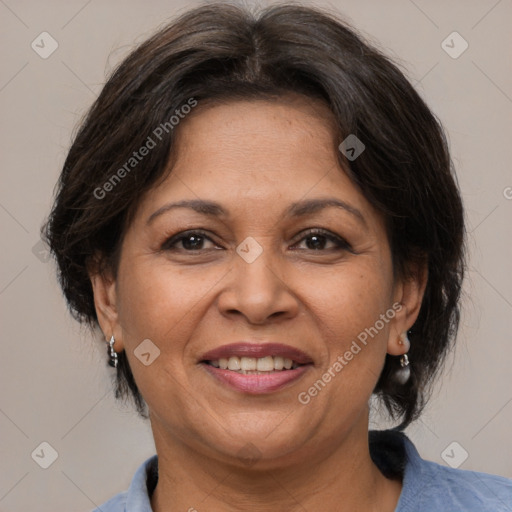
(430, 486)
(456, 489)
(114, 504)
(137, 497)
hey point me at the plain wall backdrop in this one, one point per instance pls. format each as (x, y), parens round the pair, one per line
(55, 385)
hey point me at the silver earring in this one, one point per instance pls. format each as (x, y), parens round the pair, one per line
(112, 360)
(403, 374)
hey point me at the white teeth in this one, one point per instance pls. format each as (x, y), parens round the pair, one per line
(234, 363)
(253, 364)
(278, 363)
(247, 363)
(265, 364)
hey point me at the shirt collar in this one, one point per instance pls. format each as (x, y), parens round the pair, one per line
(142, 486)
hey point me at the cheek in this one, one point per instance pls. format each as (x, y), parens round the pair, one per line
(353, 298)
(355, 314)
(161, 302)
(157, 305)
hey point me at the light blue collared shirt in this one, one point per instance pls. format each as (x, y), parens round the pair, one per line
(426, 486)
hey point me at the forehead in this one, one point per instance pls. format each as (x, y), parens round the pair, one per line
(259, 130)
(257, 155)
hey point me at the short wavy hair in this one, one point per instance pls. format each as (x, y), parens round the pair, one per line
(225, 52)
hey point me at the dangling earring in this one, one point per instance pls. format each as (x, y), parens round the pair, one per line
(403, 374)
(112, 360)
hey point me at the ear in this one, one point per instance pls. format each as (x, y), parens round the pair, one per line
(408, 294)
(105, 302)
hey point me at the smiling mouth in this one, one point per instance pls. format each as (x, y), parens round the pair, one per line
(254, 365)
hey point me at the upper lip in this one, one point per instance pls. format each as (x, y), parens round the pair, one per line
(246, 349)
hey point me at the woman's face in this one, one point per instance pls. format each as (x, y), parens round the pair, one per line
(268, 263)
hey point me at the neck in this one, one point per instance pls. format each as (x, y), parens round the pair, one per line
(338, 475)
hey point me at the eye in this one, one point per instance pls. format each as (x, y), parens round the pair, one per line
(317, 239)
(189, 241)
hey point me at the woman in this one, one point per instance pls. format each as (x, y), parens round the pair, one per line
(260, 214)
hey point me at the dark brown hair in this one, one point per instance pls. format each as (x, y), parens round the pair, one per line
(222, 52)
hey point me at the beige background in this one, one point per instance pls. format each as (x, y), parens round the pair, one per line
(55, 386)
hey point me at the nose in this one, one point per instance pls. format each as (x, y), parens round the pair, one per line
(258, 292)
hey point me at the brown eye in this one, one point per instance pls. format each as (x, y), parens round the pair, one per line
(317, 240)
(188, 241)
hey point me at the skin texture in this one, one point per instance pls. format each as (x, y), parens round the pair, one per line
(255, 158)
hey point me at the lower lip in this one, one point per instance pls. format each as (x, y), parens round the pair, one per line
(257, 384)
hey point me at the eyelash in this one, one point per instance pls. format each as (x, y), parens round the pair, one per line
(341, 244)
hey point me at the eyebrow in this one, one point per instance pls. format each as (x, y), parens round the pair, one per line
(297, 209)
